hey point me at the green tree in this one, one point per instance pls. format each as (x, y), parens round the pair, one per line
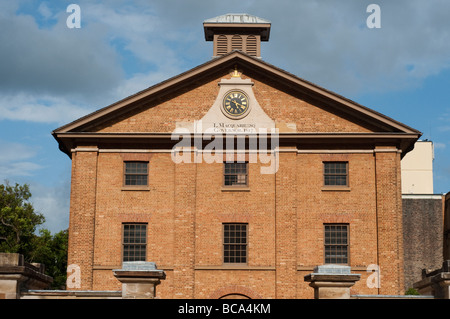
(18, 224)
(18, 220)
(51, 250)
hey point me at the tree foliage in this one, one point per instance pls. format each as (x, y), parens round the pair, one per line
(18, 225)
(18, 219)
(51, 250)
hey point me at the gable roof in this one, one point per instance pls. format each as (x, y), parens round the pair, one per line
(230, 60)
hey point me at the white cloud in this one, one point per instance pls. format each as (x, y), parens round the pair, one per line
(57, 61)
(64, 71)
(320, 41)
(41, 109)
(15, 151)
(440, 146)
(56, 74)
(14, 160)
(331, 45)
(444, 121)
(44, 10)
(53, 203)
(17, 169)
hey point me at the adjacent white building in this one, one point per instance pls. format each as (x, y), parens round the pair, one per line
(417, 169)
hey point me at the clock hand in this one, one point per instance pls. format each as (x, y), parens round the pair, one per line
(238, 104)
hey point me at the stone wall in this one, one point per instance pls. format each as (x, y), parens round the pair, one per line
(447, 227)
(17, 276)
(422, 235)
(22, 280)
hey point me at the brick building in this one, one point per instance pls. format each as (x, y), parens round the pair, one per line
(314, 178)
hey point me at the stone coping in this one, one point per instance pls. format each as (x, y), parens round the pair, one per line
(141, 269)
(71, 294)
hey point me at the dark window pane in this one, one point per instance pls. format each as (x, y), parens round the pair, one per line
(336, 244)
(134, 242)
(136, 173)
(235, 174)
(235, 243)
(335, 173)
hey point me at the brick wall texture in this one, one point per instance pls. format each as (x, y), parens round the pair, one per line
(423, 237)
(185, 204)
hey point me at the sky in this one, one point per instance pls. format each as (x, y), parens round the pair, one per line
(52, 74)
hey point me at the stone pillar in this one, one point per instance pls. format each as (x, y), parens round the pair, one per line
(332, 281)
(17, 276)
(139, 279)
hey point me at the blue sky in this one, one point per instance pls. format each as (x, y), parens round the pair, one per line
(52, 74)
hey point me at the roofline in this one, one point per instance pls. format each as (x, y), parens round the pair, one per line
(404, 141)
(224, 18)
(237, 25)
(378, 135)
(228, 58)
(137, 96)
(262, 28)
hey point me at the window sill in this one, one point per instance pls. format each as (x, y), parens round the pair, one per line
(235, 189)
(353, 268)
(136, 188)
(336, 188)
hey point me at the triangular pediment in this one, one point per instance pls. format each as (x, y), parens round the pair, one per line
(293, 104)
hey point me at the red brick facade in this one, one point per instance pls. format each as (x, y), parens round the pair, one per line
(185, 204)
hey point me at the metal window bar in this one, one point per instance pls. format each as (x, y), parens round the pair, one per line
(236, 174)
(136, 173)
(235, 243)
(336, 244)
(336, 173)
(134, 242)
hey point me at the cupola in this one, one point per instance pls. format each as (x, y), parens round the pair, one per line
(237, 31)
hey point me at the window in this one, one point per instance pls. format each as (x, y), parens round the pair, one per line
(134, 242)
(136, 173)
(335, 173)
(236, 174)
(336, 244)
(234, 243)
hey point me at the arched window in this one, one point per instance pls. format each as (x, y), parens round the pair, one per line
(222, 45)
(236, 42)
(251, 48)
(235, 296)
